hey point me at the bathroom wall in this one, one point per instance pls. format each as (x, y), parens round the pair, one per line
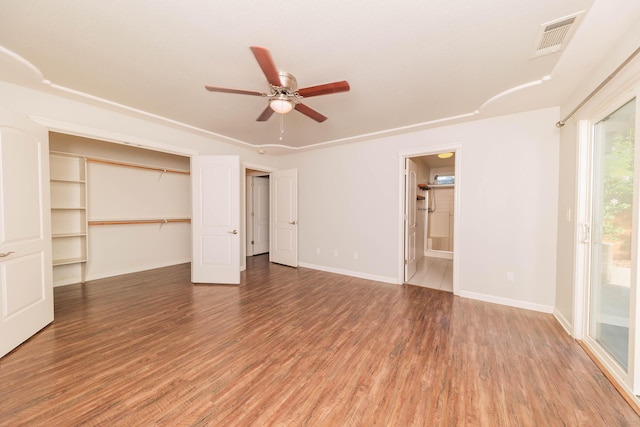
(441, 202)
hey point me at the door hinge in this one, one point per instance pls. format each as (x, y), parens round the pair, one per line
(406, 262)
(252, 242)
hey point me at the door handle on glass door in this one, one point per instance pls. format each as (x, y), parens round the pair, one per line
(5, 254)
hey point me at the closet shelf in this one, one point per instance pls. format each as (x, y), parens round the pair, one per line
(138, 221)
(137, 166)
(66, 261)
(434, 186)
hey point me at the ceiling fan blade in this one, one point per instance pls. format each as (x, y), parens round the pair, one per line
(324, 89)
(227, 90)
(266, 113)
(263, 56)
(310, 112)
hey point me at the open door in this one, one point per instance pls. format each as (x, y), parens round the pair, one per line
(215, 222)
(283, 248)
(26, 286)
(410, 221)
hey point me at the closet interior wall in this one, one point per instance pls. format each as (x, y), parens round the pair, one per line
(138, 218)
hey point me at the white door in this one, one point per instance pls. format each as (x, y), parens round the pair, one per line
(410, 222)
(215, 222)
(284, 217)
(26, 287)
(260, 214)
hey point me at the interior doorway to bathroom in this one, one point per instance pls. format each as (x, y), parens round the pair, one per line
(430, 224)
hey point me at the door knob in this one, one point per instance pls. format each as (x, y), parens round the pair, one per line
(233, 232)
(292, 222)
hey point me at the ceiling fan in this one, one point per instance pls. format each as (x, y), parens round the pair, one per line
(284, 94)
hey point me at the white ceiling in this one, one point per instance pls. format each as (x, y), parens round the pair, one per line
(411, 64)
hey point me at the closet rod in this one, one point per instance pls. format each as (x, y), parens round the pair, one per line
(133, 165)
(139, 221)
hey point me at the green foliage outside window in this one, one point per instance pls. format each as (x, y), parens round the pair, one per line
(618, 184)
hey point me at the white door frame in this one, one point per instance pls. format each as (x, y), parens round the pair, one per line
(255, 201)
(429, 151)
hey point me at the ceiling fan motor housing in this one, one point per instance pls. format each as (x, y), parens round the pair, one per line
(288, 81)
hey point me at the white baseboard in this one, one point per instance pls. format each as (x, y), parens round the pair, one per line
(563, 321)
(507, 301)
(67, 281)
(358, 274)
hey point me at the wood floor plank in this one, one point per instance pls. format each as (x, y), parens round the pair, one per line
(290, 347)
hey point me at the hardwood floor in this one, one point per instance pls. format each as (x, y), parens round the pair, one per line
(293, 347)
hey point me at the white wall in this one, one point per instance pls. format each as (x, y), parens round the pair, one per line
(350, 194)
(349, 201)
(508, 209)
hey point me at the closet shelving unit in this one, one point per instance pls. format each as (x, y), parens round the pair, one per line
(68, 214)
(422, 187)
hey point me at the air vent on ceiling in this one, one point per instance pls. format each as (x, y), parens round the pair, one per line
(555, 35)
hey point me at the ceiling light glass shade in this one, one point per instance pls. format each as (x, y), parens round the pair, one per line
(281, 106)
(445, 155)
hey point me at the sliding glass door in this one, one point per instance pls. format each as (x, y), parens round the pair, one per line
(611, 232)
(613, 240)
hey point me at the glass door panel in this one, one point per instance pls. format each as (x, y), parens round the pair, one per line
(611, 232)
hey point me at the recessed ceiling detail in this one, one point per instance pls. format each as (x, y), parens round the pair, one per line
(555, 35)
(150, 59)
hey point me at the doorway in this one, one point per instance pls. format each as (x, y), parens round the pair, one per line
(280, 230)
(257, 213)
(256, 197)
(429, 218)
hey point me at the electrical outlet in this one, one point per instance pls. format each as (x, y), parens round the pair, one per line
(335, 252)
(355, 255)
(318, 251)
(511, 277)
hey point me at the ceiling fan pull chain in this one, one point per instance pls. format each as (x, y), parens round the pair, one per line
(281, 127)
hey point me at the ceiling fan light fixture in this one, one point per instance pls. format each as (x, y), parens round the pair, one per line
(445, 155)
(281, 105)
